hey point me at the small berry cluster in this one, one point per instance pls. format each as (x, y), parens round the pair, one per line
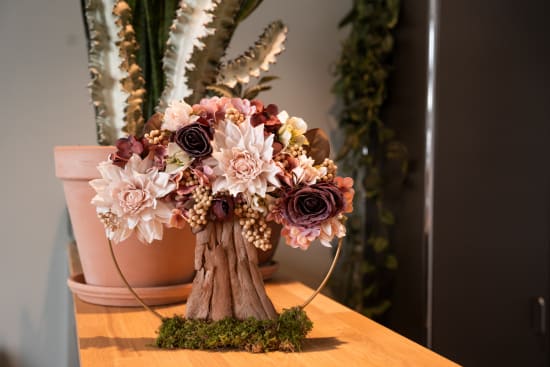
(198, 214)
(331, 170)
(156, 137)
(234, 115)
(255, 228)
(109, 220)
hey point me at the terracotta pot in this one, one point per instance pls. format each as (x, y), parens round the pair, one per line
(162, 263)
(162, 270)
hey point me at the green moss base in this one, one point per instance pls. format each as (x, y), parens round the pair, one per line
(286, 333)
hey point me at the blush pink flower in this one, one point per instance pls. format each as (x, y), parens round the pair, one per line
(305, 172)
(132, 194)
(300, 237)
(242, 160)
(221, 107)
(330, 229)
(177, 115)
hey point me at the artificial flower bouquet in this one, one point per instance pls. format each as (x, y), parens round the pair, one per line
(225, 167)
(221, 158)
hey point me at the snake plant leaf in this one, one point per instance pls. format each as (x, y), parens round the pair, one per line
(104, 62)
(203, 69)
(133, 82)
(186, 32)
(319, 145)
(257, 58)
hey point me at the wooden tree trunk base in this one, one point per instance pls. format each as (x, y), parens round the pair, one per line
(228, 282)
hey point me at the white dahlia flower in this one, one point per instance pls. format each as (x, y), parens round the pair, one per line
(131, 194)
(243, 160)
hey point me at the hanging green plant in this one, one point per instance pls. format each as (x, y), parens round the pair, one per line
(371, 154)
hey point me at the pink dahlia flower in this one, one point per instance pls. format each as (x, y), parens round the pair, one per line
(243, 160)
(132, 194)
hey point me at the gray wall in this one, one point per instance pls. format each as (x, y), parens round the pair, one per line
(44, 103)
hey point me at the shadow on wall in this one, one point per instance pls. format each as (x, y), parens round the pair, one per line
(4, 361)
(47, 340)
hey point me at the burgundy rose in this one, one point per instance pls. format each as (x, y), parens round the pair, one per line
(222, 208)
(311, 205)
(194, 140)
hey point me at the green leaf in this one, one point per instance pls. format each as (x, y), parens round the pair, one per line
(379, 244)
(377, 310)
(391, 262)
(222, 90)
(387, 217)
(247, 8)
(253, 92)
(267, 79)
(367, 292)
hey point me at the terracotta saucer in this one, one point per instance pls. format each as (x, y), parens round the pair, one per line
(152, 296)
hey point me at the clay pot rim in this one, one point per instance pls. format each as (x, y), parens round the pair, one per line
(79, 162)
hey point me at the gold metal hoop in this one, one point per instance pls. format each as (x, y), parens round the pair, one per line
(159, 316)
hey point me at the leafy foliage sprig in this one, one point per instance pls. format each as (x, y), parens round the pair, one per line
(371, 154)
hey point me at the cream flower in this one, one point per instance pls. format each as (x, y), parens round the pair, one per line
(305, 172)
(330, 229)
(131, 193)
(176, 116)
(292, 131)
(177, 160)
(243, 161)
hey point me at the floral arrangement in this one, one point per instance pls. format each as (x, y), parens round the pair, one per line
(219, 159)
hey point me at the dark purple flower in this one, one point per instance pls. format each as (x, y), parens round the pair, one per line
(222, 208)
(307, 206)
(194, 140)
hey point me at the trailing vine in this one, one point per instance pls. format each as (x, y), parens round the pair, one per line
(371, 154)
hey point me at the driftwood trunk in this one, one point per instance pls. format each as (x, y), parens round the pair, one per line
(228, 282)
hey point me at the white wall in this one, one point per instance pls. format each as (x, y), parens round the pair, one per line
(44, 102)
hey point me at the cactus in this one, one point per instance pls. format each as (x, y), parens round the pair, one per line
(104, 60)
(186, 32)
(132, 84)
(257, 58)
(193, 65)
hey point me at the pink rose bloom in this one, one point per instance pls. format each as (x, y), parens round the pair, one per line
(176, 116)
(242, 105)
(218, 107)
(208, 105)
(300, 237)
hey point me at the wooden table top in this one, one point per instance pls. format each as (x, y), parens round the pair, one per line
(124, 337)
